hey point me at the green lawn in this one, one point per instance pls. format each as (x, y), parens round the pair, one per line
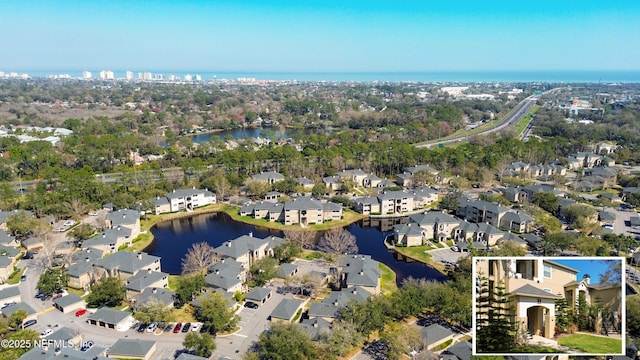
(387, 280)
(592, 344)
(522, 124)
(416, 252)
(14, 278)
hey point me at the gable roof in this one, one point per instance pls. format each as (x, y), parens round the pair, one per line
(530, 290)
(258, 293)
(435, 333)
(127, 261)
(149, 294)
(9, 292)
(286, 269)
(15, 307)
(123, 217)
(461, 350)
(67, 300)
(143, 279)
(286, 308)
(109, 315)
(131, 347)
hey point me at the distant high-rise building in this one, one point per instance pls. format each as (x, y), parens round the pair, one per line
(129, 75)
(86, 75)
(188, 77)
(106, 75)
(158, 77)
(198, 78)
(172, 77)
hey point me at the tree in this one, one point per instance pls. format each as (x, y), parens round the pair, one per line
(52, 280)
(633, 314)
(547, 200)
(554, 242)
(217, 312)
(400, 339)
(342, 338)
(82, 232)
(450, 201)
(153, 311)
(15, 320)
(108, 291)
(509, 248)
(423, 177)
(198, 258)
(76, 207)
(257, 188)
(286, 251)
(582, 312)
(264, 270)
(338, 241)
(620, 242)
(285, 341)
(22, 223)
(494, 330)
(188, 288)
(302, 238)
(202, 344)
(563, 315)
(318, 190)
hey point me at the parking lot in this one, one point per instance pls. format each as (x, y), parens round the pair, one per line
(446, 255)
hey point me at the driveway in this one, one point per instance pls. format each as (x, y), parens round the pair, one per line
(252, 322)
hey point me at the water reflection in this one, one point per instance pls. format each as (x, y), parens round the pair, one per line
(175, 237)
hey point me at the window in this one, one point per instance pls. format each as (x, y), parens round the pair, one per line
(547, 271)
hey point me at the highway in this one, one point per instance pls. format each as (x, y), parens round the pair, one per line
(510, 120)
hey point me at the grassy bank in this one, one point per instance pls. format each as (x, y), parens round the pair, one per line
(418, 253)
(387, 280)
(522, 124)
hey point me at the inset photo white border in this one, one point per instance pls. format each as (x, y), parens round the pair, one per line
(523, 278)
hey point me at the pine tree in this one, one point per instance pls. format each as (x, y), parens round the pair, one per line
(563, 315)
(495, 331)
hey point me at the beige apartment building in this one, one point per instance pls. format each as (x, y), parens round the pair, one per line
(534, 284)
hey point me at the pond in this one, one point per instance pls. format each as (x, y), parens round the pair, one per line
(174, 237)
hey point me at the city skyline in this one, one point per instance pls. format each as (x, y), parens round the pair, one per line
(320, 37)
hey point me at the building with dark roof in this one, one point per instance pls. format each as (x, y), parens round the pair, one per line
(287, 309)
(132, 349)
(111, 319)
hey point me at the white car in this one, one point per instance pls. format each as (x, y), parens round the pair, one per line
(196, 326)
(46, 333)
(68, 223)
(152, 327)
(455, 248)
(93, 213)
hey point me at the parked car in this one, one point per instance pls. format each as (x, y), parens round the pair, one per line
(455, 248)
(141, 328)
(81, 312)
(46, 333)
(29, 323)
(168, 328)
(23, 278)
(204, 329)
(68, 223)
(186, 327)
(251, 305)
(152, 327)
(177, 328)
(196, 326)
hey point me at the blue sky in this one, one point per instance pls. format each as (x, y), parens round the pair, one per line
(592, 267)
(320, 36)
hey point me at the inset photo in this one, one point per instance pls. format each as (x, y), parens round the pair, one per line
(548, 305)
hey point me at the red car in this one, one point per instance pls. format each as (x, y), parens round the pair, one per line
(81, 312)
(177, 328)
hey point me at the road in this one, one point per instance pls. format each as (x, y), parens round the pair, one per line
(510, 120)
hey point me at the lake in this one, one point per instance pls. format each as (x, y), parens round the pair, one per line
(174, 237)
(277, 132)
